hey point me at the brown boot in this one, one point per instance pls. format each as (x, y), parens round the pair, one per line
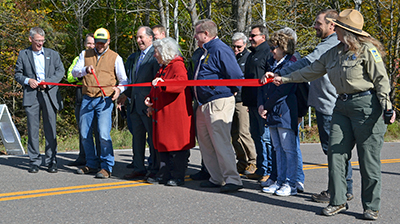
(250, 169)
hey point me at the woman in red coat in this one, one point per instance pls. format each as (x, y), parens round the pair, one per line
(172, 113)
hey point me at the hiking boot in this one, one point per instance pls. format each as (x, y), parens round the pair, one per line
(322, 197)
(370, 215)
(349, 196)
(103, 174)
(334, 209)
(253, 176)
(250, 169)
(263, 178)
(86, 170)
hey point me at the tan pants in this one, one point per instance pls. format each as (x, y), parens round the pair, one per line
(241, 137)
(213, 123)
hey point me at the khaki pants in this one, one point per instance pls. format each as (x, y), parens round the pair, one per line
(241, 137)
(213, 123)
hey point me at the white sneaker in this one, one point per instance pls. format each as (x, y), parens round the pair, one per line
(271, 189)
(286, 190)
(300, 187)
(267, 183)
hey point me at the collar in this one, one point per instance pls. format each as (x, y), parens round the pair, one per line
(262, 47)
(147, 49)
(39, 52)
(330, 36)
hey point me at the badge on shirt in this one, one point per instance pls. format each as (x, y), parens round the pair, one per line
(376, 55)
(206, 60)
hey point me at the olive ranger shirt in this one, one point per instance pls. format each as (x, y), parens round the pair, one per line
(349, 72)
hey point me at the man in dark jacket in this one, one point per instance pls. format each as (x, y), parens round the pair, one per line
(216, 106)
(240, 132)
(255, 69)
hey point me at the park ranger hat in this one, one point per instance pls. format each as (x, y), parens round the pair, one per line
(351, 20)
(101, 35)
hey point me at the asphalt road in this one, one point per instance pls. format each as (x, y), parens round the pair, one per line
(66, 197)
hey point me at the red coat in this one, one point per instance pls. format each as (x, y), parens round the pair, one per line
(173, 121)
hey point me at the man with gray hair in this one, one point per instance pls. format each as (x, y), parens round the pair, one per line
(141, 66)
(37, 64)
(240, 132)
(216, 107)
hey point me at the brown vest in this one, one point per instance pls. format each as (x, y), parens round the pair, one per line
(104, 70)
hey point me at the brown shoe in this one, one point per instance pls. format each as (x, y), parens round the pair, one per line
(263, 178)
(250, 169)
(253, 176)
(86, 170)
(322, 197)
(103, 174)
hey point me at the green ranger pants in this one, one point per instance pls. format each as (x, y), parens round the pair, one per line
(357, 121)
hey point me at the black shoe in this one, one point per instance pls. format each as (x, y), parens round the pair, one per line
(77, 162)
(175, 182)
(322, 197)
(201, 175)
(130, 166)
(156, 180)
(334, 209)
(208, 184)
(33, 169)
(229, 188)
(52, 168)
(370, 215)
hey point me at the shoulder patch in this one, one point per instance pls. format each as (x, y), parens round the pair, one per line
(376, 55)
(206, 60)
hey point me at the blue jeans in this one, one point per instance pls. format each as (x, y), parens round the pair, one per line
(262, 141)
(300, 173)
(285, 146)
(324, 129)
(91, 108)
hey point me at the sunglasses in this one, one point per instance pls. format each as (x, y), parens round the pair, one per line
(253, 35)
(273, 47)
(237, 46)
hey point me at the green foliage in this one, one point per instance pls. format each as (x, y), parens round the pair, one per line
(67, 22)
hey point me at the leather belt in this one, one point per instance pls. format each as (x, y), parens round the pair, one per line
(345, 97)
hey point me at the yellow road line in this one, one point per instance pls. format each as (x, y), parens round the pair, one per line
(116, 185)
(71, 191)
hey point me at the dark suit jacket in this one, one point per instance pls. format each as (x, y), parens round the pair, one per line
(54, 72)
(146, 73)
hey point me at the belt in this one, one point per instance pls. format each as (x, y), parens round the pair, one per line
(345, 97)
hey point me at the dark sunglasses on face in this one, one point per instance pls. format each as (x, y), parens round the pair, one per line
(253, 35)
(237, 46)
(273, 47)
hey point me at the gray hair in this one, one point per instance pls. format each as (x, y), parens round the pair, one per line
(168, 49)
(148, 30)
(36, 30)
(290, 32)
(239, 36)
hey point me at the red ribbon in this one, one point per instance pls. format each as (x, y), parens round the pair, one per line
(169, 82)
(98, 83)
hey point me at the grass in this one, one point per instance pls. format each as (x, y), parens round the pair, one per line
(122, 139)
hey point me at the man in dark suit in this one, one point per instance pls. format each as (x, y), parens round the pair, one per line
(34, 65)
(141, 67)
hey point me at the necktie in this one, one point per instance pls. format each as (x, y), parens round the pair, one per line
(140, 60)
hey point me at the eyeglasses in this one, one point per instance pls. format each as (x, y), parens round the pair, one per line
(272, 48)
(253, 35)
(39, 41)
(237, 46)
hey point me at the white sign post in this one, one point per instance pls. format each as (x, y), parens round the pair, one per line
(9, 133)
